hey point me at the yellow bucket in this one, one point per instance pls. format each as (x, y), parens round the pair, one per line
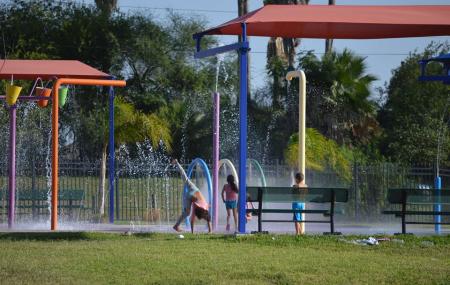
(12, 93)
(43, 92)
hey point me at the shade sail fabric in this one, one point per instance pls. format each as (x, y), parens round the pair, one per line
(340, 22)
(46, 69)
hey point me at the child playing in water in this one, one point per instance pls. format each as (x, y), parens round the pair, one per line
(193, 199)
(230, 198)
(299, 183)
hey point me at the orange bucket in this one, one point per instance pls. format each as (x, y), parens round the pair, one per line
(46, 92)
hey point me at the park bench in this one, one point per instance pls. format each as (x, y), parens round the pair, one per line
(408, 197)
(261, 195)
(37, 200)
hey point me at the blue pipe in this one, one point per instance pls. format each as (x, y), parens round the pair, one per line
(243, 129)
(260, 170)
(111, 155)
(205, 169)
(437, 207)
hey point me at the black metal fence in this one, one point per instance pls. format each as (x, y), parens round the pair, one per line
(368, 195)
(154, 193)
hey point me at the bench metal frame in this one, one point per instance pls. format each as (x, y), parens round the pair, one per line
(431, 193)
(70, 199)
(326, 212)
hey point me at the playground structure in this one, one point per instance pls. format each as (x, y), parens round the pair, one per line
(61, 72)
(315, 21)
(321, 22)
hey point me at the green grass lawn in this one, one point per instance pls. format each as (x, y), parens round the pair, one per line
(97, 258)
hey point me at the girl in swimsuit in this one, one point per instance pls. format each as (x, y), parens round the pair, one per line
(230, 199)
(193, 200)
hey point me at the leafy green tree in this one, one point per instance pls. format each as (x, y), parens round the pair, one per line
(159, 61)
(415, 116)
(154, 57)
(321, 154)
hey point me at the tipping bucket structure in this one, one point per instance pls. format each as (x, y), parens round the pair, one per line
(62, 96)
(43, 92)
(12, 93)
(61, 73)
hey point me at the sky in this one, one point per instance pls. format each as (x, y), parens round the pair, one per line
(381, 55)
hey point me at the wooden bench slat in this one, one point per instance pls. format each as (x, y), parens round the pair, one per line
(418, 213)
(36, 200)
(281, 211)
(427, 223)
(291, 221)
(429, 196)
(292, 194)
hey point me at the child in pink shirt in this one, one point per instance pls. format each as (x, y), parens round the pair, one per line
(195, 200)
(230, 198)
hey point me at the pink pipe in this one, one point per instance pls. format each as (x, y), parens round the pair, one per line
(12, 167)
(216, 121)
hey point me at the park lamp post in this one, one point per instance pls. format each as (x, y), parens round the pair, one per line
(301, 121)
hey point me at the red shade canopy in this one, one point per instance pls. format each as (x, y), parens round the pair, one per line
(46, 69)
(340, 22)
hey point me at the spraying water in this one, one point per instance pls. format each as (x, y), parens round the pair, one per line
(220, 58)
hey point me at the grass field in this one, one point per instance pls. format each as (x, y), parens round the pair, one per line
(97, 258)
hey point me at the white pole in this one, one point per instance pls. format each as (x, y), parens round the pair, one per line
(301, 123)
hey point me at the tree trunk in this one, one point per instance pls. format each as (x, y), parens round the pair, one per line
(285, 50)
(242, 10)
(329, 42)
(106, 6)
(102, 182)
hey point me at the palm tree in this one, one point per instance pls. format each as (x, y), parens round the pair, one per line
(281, 51)
(329, 42)
(242, 7)
(132, 126)
(345, 112)
(106, 6)
(242, 10)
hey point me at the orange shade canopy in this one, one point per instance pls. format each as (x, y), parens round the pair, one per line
(47, 69)
(340, 22)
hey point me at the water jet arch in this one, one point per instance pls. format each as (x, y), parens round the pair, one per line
(204, 167)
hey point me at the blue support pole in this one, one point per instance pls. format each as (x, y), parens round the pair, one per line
(437, 207)
(243, 51)
(111, 155)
